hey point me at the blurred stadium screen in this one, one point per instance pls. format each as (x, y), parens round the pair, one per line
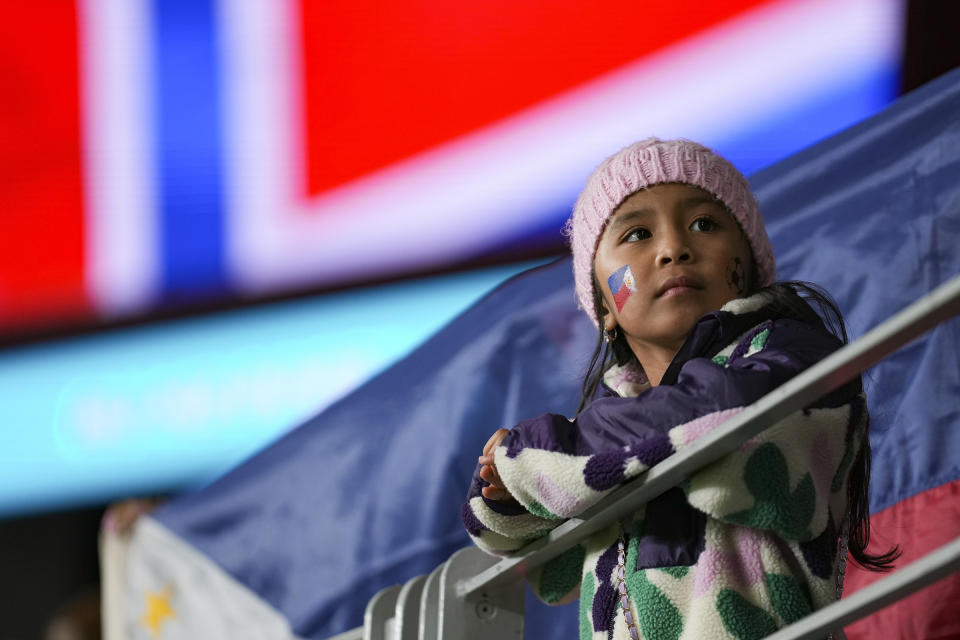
(168, 405)
(170, 154)
(166, 153)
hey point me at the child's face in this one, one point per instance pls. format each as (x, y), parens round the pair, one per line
(669, 255)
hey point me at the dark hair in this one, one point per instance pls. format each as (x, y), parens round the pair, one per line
(811, 304)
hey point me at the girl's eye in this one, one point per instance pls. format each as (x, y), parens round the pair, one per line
(704, 224)
(638, 234)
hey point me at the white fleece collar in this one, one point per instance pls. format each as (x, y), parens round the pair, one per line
(627, 381)
(755, 302)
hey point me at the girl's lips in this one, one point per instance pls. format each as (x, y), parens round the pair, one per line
(678, 286)
(676, 291)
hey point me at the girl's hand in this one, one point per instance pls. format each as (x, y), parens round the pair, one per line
(488, 470)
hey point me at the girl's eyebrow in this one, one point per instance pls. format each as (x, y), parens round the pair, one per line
(624, 218)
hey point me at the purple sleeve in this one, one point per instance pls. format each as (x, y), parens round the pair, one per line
(619, 428)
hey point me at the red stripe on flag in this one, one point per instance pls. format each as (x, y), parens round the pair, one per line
(41, 228)
(620, 297)
(384, 80)
(919, 525)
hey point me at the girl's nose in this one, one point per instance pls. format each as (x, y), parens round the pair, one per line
(673, 249)
(681, 257)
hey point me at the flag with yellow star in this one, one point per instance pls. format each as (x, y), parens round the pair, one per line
(158, 587)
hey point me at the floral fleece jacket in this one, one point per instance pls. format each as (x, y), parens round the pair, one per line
(746, 545)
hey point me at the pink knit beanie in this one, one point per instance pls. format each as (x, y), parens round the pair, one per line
(645, 164)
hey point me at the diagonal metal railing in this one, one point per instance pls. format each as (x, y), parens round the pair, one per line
(488, 584)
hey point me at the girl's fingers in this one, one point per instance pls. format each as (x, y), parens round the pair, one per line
(494, 440)
(488, 470)
(490, 444)
(493, 493)
(486, 473)
(490, 474)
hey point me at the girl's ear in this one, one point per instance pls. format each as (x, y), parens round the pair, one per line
(606, 318)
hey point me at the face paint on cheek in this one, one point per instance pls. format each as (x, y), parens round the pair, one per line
(735, 277)
(621, 286)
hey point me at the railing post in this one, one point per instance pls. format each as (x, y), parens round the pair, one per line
(407, 615)
(378, 617)
(428, 624)
(491, 614)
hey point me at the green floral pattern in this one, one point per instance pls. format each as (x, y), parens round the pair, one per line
(587, 590)
(790, 601)
(561, 574)
(743, 620)
(538, 509)
(776, 507)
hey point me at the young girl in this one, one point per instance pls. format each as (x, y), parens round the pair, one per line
(673, 265)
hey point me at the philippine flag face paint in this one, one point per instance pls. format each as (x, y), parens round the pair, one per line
(621, 285)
